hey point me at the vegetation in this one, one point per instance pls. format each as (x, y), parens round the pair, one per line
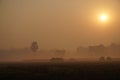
(34, 46)
(60, 71)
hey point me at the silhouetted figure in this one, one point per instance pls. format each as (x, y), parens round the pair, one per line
(34, 46)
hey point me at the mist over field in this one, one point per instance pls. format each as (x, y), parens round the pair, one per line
(67, 29)
(81, 53)
(59, 39)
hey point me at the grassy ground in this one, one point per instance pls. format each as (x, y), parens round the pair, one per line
(60, 71)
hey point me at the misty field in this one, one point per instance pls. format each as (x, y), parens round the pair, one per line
(60, 71)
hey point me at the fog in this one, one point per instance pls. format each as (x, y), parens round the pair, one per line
(58, 24)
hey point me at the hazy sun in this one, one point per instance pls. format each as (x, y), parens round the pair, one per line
(103, 18)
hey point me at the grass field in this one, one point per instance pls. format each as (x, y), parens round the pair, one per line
(60, 71)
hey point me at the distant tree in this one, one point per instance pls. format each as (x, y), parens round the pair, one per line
(34, 46)
(97, 49)
(109, 59)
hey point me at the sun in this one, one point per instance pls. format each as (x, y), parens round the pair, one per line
(103, 18)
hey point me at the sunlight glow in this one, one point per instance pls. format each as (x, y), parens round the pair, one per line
(103, 18)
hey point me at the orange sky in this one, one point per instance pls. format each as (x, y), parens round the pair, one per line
(58, 23)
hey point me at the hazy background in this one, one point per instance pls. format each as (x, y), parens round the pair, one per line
(58, 23)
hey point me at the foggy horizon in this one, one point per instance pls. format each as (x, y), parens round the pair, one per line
(59, 39)
(58, 24)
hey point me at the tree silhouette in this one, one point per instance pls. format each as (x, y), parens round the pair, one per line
(34, 46)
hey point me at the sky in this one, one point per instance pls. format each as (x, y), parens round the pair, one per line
(58, 23)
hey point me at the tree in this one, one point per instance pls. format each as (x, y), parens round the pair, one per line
(34, 46)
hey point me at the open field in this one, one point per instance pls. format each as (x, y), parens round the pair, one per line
(60, 71)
